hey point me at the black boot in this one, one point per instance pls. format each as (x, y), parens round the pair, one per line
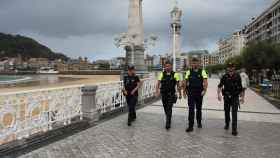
(129, 120)
(226, 127)
(129, 123)
(199, 125)
(234, 132)
(134, 116)
(168, 123)
(189, 129)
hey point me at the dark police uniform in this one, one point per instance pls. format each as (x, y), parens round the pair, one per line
(194, 88)
(231, 90)
(168, 93)
(130, 83)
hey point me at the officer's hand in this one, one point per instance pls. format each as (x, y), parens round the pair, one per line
(185, 94)
(242, 100)
(203, 93)
(157, 93)
(219, 97)
(180, 96)
(125, 92)
(132, 93)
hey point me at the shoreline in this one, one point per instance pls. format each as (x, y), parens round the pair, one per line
(69, 81)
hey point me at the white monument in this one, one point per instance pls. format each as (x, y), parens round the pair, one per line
(135, 50)
(176, 15)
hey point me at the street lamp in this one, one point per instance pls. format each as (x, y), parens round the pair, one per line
(174, 47)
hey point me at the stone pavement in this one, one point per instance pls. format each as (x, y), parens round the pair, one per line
(259, 126)
(147, 138)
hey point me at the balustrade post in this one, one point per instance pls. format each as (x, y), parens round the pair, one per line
(89, 108)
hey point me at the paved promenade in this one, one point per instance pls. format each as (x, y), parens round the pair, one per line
(259, 126)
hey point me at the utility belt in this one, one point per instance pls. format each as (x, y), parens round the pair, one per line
(194, 89)
(168, 88)
(229, 95)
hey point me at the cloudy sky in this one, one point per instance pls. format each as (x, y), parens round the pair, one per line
(87, 27)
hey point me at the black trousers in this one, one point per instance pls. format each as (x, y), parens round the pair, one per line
(168, 101)
(231, 103)
(131, 104)
(195, 102)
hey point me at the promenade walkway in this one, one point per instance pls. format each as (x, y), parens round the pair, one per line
(259, 126)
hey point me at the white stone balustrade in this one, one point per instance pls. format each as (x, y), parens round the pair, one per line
(23, 114)
(109, 96)
(29, 112)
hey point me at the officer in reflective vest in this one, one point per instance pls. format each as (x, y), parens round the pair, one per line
(195, 87)
(130, 90)
(166, 87)
(231, 88)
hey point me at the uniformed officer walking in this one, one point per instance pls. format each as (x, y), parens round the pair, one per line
(231, 88)
(166, 86)
(195, 87)
(130, 90)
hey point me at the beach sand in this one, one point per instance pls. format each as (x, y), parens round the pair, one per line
(73, 80)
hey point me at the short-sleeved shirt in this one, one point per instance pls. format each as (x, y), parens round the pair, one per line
(232, 85)
(195, 80)
(168, 80)
(176, 76)
(130, 83)
(203, 73)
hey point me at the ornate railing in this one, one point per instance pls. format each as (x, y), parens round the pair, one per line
(25, 113)
(109, 96)
(148, 89)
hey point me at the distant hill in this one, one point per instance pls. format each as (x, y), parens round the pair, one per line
(17, 45)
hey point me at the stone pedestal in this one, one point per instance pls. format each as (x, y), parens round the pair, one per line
(135, 56)
(89, 108)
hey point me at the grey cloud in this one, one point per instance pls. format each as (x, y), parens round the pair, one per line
(87, 27)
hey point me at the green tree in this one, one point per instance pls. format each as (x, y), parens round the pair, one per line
(261, 55)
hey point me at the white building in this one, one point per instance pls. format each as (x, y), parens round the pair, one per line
(266, 26)
(231, 46)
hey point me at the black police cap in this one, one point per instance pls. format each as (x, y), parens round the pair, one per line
(130, 67)
(230, 64)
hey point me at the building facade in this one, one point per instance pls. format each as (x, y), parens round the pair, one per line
(201, 55)
(231, 46)
(266, 26)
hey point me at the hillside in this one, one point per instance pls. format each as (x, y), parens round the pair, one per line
(15, 45)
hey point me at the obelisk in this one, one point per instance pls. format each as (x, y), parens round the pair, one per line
(135, 51)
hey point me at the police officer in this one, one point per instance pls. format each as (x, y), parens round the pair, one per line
(130, 90)
(166, 86)
(231, 88)
(195, 87)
